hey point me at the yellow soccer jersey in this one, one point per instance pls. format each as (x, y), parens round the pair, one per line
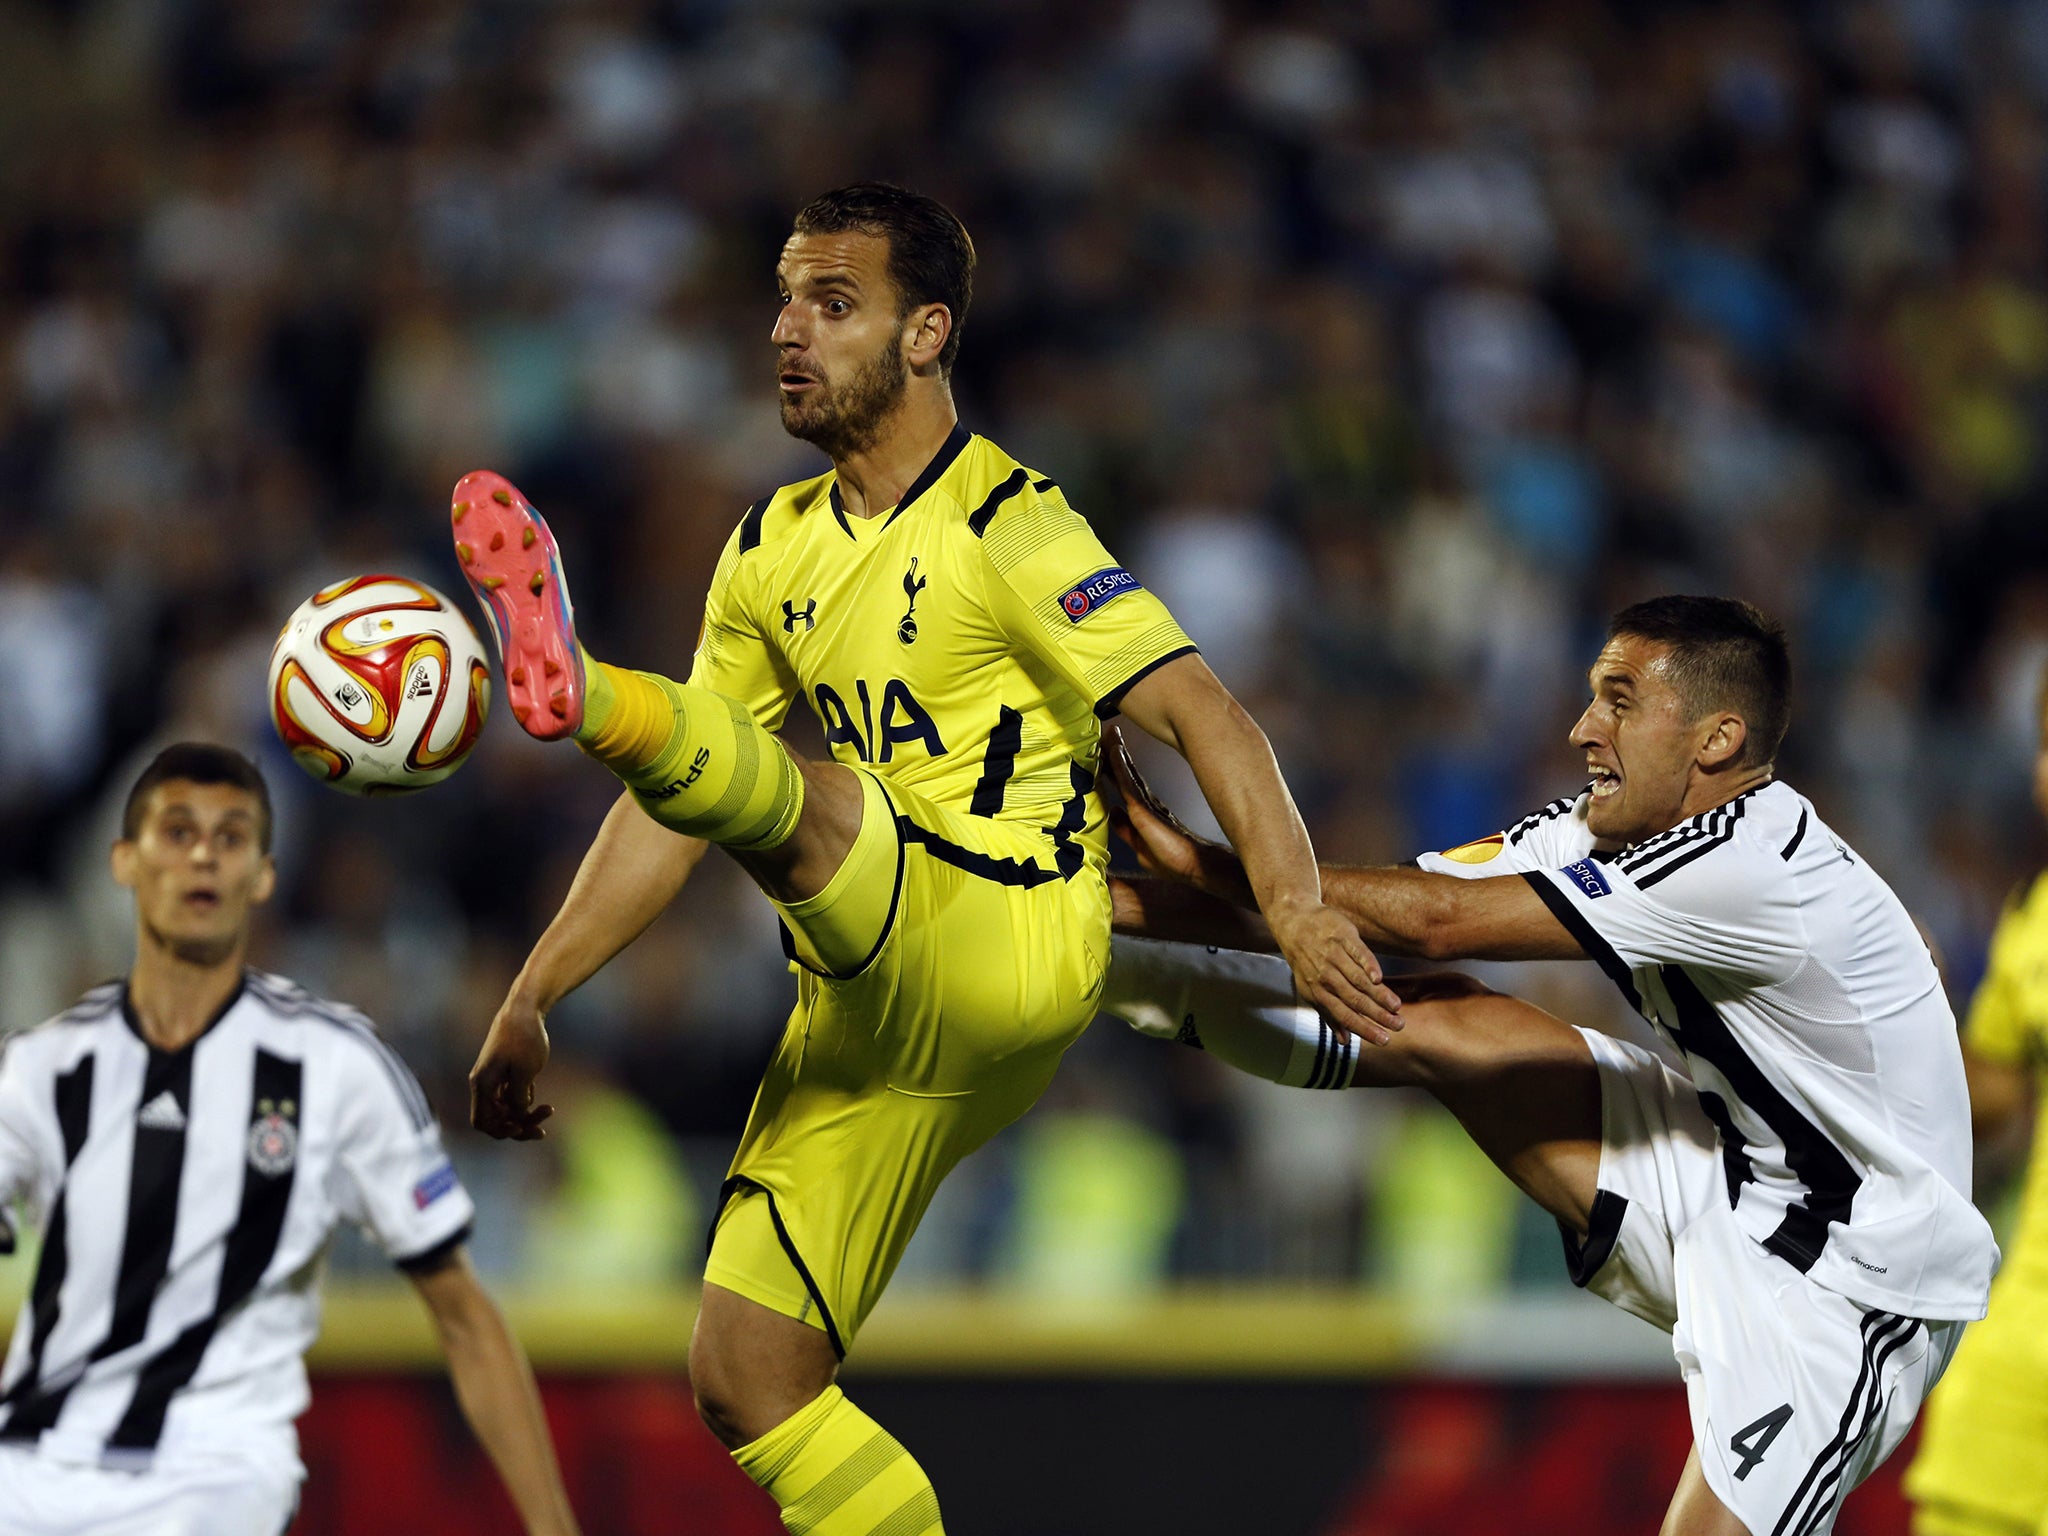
(967, 643)
(2008, 1023)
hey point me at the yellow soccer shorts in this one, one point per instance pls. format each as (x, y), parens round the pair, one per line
(1982, 1468)
(942, 972)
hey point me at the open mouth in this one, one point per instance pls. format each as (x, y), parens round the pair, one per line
(796, 383)
(201, 901)
(1606, 781)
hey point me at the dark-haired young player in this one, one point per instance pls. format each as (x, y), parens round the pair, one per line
(190, 1137)
(960, 633)
(1794, 1206)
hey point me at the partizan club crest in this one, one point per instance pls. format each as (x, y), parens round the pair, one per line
(274, 1137)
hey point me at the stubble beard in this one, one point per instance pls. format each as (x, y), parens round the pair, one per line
(843, 420)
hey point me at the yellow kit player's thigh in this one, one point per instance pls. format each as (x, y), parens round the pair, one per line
(987, 965)
(1982, 1465)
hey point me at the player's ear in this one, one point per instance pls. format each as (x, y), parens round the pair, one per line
(1725, 738)
(122, 861)
(925, 330)
(266, 882)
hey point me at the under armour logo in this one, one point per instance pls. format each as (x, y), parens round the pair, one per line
(793, 615)
(906, 627)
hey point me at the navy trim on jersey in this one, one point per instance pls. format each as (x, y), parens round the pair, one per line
(951, 449)
(998, 762)
(1111, 702)
(1596, 948)
(290, 1000)
(437, 1256)
(1798, 833)
(1018, 872)
(979, 519)
(73, 1093)
(956, 441)
(750, 525)
(277, 1088)
(1068, 855)
(1584, 1256)
(733, 1186)
(1831, 1182)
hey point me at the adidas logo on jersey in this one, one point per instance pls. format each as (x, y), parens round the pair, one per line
(161, 1113)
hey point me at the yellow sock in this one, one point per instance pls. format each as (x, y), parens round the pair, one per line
(695, 760)
(834, 1471)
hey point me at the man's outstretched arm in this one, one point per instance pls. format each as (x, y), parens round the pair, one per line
(1396, 909)
(634, 869)
(495, 1386)
(1184, 705)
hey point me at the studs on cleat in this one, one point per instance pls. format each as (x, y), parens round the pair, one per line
(527, 536)
(461, 510)
(521, 711)
(552, 667)
(492, 583)
(464, 553)
(502, 497)
(540, 579)
(560, 705)
(498, 540)
(518, 675)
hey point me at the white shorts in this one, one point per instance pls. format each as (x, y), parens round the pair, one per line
(41, 1497)
(1796, 1392)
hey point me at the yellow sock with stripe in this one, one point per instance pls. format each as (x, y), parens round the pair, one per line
(834, 1471)
(695, 760)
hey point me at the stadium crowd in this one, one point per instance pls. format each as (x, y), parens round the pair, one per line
(1394, 343)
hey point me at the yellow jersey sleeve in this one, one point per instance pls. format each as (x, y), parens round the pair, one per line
(2000, 1022)
(734, 655)
(1057, 592)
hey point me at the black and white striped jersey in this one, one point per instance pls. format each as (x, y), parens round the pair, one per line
(186, 1200)
(1812, 1023)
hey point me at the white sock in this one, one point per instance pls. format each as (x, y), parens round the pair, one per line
(1238, 1007)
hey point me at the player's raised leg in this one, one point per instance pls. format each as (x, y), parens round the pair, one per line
(696, 761)
(1522, 1082)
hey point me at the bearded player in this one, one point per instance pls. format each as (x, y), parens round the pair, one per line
(960, 633)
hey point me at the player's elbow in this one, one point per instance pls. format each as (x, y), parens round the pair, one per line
(1434, 930)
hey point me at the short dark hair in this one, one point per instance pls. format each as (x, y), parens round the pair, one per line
(931, 258)
(197, 762)
(1725, 654)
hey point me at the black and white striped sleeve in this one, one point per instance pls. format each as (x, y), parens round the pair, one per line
(398, 1183)
(1724, 906)
(1553, 835)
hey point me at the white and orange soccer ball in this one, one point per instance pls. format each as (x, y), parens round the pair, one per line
(378, 686)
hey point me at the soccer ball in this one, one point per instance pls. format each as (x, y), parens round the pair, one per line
(378, 685)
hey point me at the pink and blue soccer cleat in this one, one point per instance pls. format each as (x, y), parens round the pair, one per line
(514, 567)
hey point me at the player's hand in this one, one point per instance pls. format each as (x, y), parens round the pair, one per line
(1165, 846)
(501, 1083)
(1336, 972)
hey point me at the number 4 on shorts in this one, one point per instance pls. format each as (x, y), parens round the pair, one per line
(1752, 1440)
